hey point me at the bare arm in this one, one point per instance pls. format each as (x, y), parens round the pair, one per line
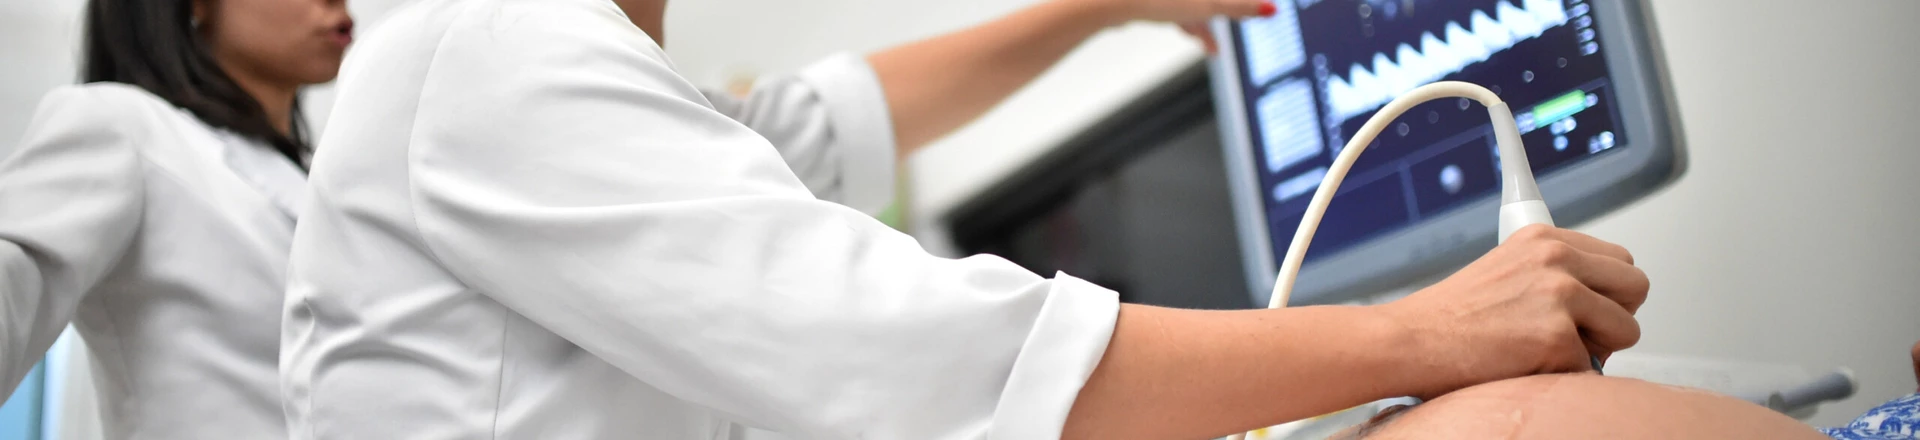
(936, 85)
(1539, 304)
(1191, 374)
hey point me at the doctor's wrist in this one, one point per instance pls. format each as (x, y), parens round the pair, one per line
(1424, 362)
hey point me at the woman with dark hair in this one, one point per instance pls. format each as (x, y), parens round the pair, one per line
(154, 206)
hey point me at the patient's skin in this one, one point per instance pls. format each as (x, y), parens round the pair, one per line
(1582, 406)
(1916, 365)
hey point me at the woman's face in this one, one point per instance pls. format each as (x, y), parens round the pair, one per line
(285, 42)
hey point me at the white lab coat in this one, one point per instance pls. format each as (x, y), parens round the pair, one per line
(165, 242)
(524, 224)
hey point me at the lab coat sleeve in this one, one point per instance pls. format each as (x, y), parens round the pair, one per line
(563, 170)
(70, 203)
(832, 126)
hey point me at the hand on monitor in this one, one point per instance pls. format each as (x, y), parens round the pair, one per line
(1541, 303)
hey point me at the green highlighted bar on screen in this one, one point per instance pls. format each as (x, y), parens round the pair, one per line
(1559, 108)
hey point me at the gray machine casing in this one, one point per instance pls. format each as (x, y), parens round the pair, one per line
(1654, 156)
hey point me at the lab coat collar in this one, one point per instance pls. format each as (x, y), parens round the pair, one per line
(265, 170)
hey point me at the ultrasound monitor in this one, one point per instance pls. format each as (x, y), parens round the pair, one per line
(1583, 77)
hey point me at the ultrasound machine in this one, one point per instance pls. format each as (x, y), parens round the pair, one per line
(1584, 80)
(1586, 85)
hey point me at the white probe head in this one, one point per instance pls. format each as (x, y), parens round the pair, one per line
(1520, 201)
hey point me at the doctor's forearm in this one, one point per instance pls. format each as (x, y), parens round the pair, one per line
(937, 85)
(1204, 374)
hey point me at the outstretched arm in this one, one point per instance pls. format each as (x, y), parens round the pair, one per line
(1538, 304)
(936, 85)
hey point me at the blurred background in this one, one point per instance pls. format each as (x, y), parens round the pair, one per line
(1793, 238)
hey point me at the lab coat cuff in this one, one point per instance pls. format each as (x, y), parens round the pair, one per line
(863, 129)
(1066, 343)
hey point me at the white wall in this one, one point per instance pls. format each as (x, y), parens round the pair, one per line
(1795, 237)
(1779, 97)
(37, 47)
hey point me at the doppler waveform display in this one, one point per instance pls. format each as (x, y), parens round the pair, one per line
(1483, 36)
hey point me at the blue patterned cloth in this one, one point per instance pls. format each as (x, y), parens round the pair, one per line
(1895, 420)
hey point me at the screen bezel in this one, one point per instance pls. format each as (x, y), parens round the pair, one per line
(1577, 192)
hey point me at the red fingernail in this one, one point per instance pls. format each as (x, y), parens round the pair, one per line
(1267, 9)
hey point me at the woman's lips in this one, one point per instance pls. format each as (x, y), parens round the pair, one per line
(343, 34)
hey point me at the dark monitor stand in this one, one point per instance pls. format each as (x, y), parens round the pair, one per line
(1138, 203)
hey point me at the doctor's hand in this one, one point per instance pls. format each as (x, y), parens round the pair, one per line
(1540, 303)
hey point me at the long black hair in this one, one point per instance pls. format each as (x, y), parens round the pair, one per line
(152, 44)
